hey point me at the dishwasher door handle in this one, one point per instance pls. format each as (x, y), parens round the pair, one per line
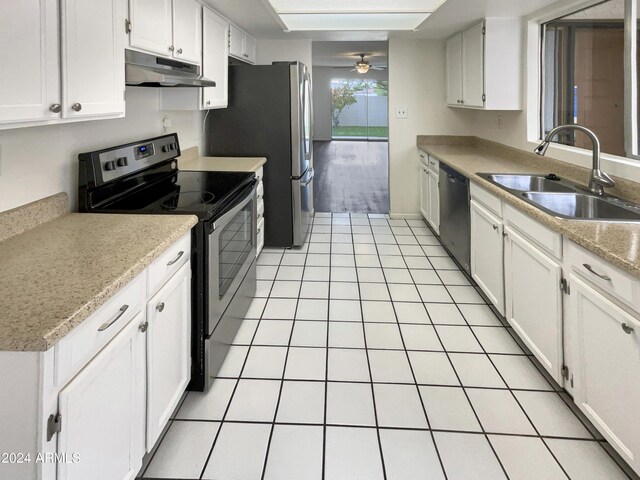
(452, 179)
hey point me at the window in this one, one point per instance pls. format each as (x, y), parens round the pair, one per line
(589, 68)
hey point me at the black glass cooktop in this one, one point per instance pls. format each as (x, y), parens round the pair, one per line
(198, 193)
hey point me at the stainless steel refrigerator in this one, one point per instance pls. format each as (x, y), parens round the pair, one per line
(270, 115)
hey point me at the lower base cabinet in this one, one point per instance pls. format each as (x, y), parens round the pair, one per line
(103, 410)
(606, 340)
(534, 300)
(168, 350)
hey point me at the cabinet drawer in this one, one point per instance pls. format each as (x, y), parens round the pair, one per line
(260, 192)
(168, 264)
(75, 350)
(260, 174)
(260, 211)
(488, 200)
(603, 274)
(538, 233)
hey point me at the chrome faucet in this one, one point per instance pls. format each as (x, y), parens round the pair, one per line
(598, 180)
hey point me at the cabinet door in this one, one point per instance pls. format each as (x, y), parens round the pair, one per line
(434, 201)
(102, 412)
(151, 26)
(187, 31)
(250, 49)
(454, 70)
(473, 66)
(534, 300)
(487, 254)
(93, 41)
(236, 42)
(607, 369)
(215, 59)
(424, 192)
(168, 350)
(30, 83)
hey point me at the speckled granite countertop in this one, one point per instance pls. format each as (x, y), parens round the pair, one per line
(190, 159)
(57, 274)
(618, 243)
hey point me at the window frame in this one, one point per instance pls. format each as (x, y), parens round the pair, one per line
(631, 114)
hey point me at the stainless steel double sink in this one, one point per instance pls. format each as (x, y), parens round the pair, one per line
(565, 199)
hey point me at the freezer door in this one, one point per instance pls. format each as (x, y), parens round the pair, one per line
(302, 207)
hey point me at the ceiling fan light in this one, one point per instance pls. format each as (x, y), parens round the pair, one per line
(362, 67)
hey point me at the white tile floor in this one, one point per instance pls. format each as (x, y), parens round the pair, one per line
(369, 355)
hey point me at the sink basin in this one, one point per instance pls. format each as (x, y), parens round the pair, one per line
(528, 183)
(583, 207)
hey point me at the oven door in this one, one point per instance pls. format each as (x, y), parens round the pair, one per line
(232, 250)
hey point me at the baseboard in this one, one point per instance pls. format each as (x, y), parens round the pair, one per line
(406, 216)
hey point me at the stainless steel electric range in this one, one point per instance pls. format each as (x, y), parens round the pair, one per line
(143, 177)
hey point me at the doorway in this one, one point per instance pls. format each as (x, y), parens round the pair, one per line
(351, 127)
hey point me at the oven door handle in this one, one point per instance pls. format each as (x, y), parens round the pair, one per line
(224, 219)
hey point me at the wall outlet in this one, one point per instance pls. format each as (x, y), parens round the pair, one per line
(402, 112)
(166, 124)
(500, 122)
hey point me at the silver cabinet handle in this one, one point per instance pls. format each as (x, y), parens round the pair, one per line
(495, 227)
(179, 50)
(56, 108)
(171, 49)
(176, 259)
(208, 102)
(106, 325)
(590, 268)
(433, 163)
(259, 230)
(76, 107)
(627, 329)
(143, 327)
(160, 307)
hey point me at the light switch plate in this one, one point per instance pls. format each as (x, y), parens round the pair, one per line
(402, 112)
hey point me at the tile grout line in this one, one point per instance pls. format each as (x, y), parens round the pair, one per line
(326, 360)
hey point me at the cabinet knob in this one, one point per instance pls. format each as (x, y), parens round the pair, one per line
(208, 102)
(179, 50)
(160, 307)
(171, 49)
(627, 329)
(56, 108)
(144, 326)
(76, 107)
(495, 227)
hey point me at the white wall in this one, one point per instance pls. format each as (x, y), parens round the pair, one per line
(40, 161)
(416, 82)
(322, 77)
(284, 51)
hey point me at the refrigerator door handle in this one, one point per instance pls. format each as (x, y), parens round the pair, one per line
(310, 179)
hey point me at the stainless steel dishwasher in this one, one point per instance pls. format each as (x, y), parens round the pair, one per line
(455, 217)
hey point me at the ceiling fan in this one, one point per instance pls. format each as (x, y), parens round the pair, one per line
(363, 66)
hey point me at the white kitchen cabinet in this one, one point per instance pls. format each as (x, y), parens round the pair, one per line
(434, 200)
(242, 45)
(260, 211)
(454, 70)
(151, 25)
(102, 412)
(424, 192)
(534, 300)
(487, 254)
(85, 80)
(169, 28)
(607, 367)
(473, 66)
(93, 42)
(215, 59)
(30, 84)
(168, 350)
(484, 66)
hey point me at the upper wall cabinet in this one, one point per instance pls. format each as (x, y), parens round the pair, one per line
(242, 45)
(484, 66)
(169, 28)
(47, 86)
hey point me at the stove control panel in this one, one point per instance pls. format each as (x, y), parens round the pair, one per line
(116, 162)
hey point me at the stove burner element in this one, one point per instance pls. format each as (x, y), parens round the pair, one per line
(187, 199)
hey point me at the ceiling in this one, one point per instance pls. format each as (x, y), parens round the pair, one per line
(345, 54)
(260, 20)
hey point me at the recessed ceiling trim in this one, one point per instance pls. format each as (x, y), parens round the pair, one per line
(354, 22)
(355, 6)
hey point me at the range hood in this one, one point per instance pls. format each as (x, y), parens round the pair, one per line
(144, 70)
